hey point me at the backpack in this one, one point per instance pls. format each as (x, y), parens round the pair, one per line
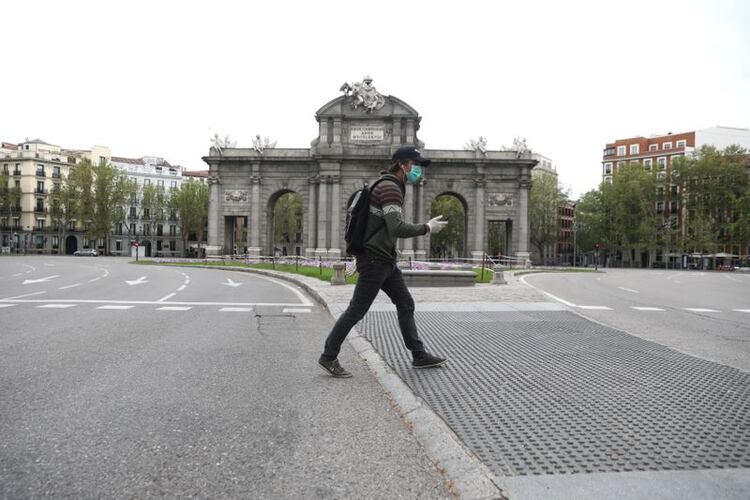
(356, 220)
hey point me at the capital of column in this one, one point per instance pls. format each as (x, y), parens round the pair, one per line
(480, 182)
(524, 183)
(213, 179)
(315, 179)
(255, 179)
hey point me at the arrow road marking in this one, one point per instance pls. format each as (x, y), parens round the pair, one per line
(628, 289)
(231, 283)
(41, 280)
(648, 309)
(700, 310)
(139, 281)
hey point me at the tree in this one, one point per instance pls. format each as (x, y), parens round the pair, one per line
(544, 200)
(10, 199)
(629, 211)
(81, 186)
(287, 218)
(190, 202)
(589, 224)
(62, 207)
(449, 241)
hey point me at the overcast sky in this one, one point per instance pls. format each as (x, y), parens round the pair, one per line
(157, 78)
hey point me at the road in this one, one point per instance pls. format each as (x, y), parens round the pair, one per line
(122, 380)
(705, 314)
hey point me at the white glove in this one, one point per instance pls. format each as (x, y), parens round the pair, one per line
(437, 224)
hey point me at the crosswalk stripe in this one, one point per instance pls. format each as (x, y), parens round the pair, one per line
(115, 307)
(700, 310)
(742, 310)
(173, 308)
(7, 305)
(647, 308)
(236, 309)
(56, 306)
(296, 310)
(596, 308)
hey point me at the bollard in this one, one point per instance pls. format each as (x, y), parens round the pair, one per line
(498, 278)
(339, 274)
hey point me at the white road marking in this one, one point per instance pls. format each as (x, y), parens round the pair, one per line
(174, 308)
(147, 302)
(596, 308)
(647, 308)
(232, 283)
(49, 265)
(115, 307)
(166, 297)
(17, 274)
(69, 286)
(181, 288)
(628, 289)
(700, 310)
(733, 279)
(678, 282)
(56, 306)
(7, 305)
(94, 279)
(569, 304)
(742, 310)
(41, 280)
(295, 291)
(236, 309)
(296, 310)
(139, 281)
(22, 296)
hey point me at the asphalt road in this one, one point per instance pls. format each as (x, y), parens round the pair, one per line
(705, 314)
(118, 380)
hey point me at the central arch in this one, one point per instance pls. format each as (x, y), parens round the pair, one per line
(285, 223)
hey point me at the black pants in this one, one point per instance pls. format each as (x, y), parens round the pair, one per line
(375, 276)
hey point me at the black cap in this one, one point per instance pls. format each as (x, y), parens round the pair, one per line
(410, 153)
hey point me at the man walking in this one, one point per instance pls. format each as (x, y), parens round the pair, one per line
(377, 265)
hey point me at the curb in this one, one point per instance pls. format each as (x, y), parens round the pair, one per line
(467, 476)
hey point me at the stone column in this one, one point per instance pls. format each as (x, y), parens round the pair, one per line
(214, 217)
(410, 131)
(478, 221)
(312, 201)
(322, 250)
(337, 131)
(408, 214)
(523, 218)
(337, 221)
(396, 135)
(420, 253)
(255, 211)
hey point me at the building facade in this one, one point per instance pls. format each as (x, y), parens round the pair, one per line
(656, 154)
(155, 228)
(357, 134)
(33, 168)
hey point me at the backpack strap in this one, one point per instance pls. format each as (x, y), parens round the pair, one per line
(384, 177)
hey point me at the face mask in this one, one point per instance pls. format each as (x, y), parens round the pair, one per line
(414, 174)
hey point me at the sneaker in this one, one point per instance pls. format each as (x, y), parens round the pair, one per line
(333, 368)
(428, 361)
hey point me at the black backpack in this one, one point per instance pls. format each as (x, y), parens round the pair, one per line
(356, 220)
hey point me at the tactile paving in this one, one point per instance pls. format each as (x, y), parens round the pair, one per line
(552, 393)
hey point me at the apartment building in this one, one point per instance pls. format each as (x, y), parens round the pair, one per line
(33, 168)
(154, 228)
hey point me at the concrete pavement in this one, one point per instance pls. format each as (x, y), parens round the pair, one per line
(529, 405)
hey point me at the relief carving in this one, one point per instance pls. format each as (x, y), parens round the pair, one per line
(235, 196)
(500, 199)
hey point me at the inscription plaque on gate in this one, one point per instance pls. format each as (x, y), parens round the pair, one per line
(366, 134)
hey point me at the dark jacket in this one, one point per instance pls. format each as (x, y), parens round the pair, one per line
(385, 223)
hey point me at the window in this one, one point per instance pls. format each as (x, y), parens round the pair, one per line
(634, 148)
(133, 214)
(172, 246)
(146, 182)
(159, 230)
(661, 175)
(660, 207)
(160, 183)
(133, 199)
(132, 228)
(608, 180)
(621, 150)
(40, 187)
(118, 229)
(662, 162)
(55, 241)
(146, 230)
(682, 143)
(608, 168)
(647, 163)
(56, 172)
(653, 147)
(40, 170)
(660, 192)
(40, 204)
(607, 152)
(666, 145)
(146, 213)
(5, 169)
(620, 164)
(173, 185)
(673, 206)
(172, 171)
(40, 224)
(118, 245)
(102, 160)
(172, 230)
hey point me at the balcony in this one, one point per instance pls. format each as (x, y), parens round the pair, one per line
(40, 173)
(39, 210)
(16, 173)
(38, 191)
(55, 175)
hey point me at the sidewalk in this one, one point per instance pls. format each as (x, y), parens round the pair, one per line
(538, 402)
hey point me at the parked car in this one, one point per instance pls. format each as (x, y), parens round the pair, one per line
(86, 252)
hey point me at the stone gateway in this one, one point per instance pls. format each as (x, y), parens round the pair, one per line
(354, 144)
